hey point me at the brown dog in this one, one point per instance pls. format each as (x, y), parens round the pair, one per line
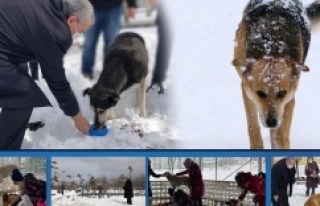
(314, 200)
(7, 199)
(176, 181)
(271, 46)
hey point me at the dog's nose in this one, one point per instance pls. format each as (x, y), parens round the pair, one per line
(272, 122)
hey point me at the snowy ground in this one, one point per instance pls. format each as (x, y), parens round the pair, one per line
(60, 133)
(299, 195)
(210, 110)
(72, 199)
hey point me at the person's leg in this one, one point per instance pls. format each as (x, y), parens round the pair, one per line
(89, 48)
(313, 190)
(130, 201)
(111, 26)
(162, 53)
(307, 192)
(13, 124)
(33, 65)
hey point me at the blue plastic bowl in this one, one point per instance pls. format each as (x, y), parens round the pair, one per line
(98, 133)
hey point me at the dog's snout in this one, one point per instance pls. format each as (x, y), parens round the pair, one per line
(272, 121)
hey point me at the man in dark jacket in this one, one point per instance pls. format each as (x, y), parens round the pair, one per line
(42, 31)
(128, 191)
(196, 184)
(280, 181)
(108, 20)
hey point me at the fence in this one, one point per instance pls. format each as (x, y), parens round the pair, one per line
(217, 192)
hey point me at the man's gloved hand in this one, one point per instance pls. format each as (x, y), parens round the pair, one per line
(34, 126)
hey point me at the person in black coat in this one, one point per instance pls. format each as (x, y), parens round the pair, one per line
(128, 191)
(37, 30)
(280, 180)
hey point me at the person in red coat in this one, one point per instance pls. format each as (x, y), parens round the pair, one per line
(311, 171)
(196, 184)
(254, 184)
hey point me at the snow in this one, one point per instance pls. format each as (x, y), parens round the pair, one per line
(208, 97)
(298, 195)
(60, 133)
(70, 198)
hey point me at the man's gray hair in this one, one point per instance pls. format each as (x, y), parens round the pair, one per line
(82, 9)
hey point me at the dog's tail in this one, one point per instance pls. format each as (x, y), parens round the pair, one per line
(313, 13)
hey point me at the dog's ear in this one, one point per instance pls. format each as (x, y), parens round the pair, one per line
(239, 62)
(297, 66)
(243, 62)
(301, 67)
(87, 92)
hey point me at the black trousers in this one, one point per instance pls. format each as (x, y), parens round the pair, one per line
(163, 50)
(129, 200)
(13, 124)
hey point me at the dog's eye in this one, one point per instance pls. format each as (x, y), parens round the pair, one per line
(281, 94)
(262, 94)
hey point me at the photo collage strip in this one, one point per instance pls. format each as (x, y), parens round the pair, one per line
(159, 103)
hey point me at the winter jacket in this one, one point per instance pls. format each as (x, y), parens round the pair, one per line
(312, 168)
(128, 190)
(34, 188)
(196, 184)
(255, 185)
(280, 177)
(102, 5)
(34, 30)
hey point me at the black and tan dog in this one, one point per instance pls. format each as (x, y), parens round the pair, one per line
(125, 64)
(272, 43)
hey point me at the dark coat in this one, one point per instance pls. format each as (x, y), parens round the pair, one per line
(34, 30)
(280, 178)
(195, 180)
(102, 5)
(309, 170)
(153, 174)
(128, 190)
(255, 185)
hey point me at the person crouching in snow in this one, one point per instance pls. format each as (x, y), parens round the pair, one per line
(311, 171)
(32, 190)
(254, 184)
(196, 185)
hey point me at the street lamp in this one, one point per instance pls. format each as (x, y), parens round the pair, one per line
(130, 170)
